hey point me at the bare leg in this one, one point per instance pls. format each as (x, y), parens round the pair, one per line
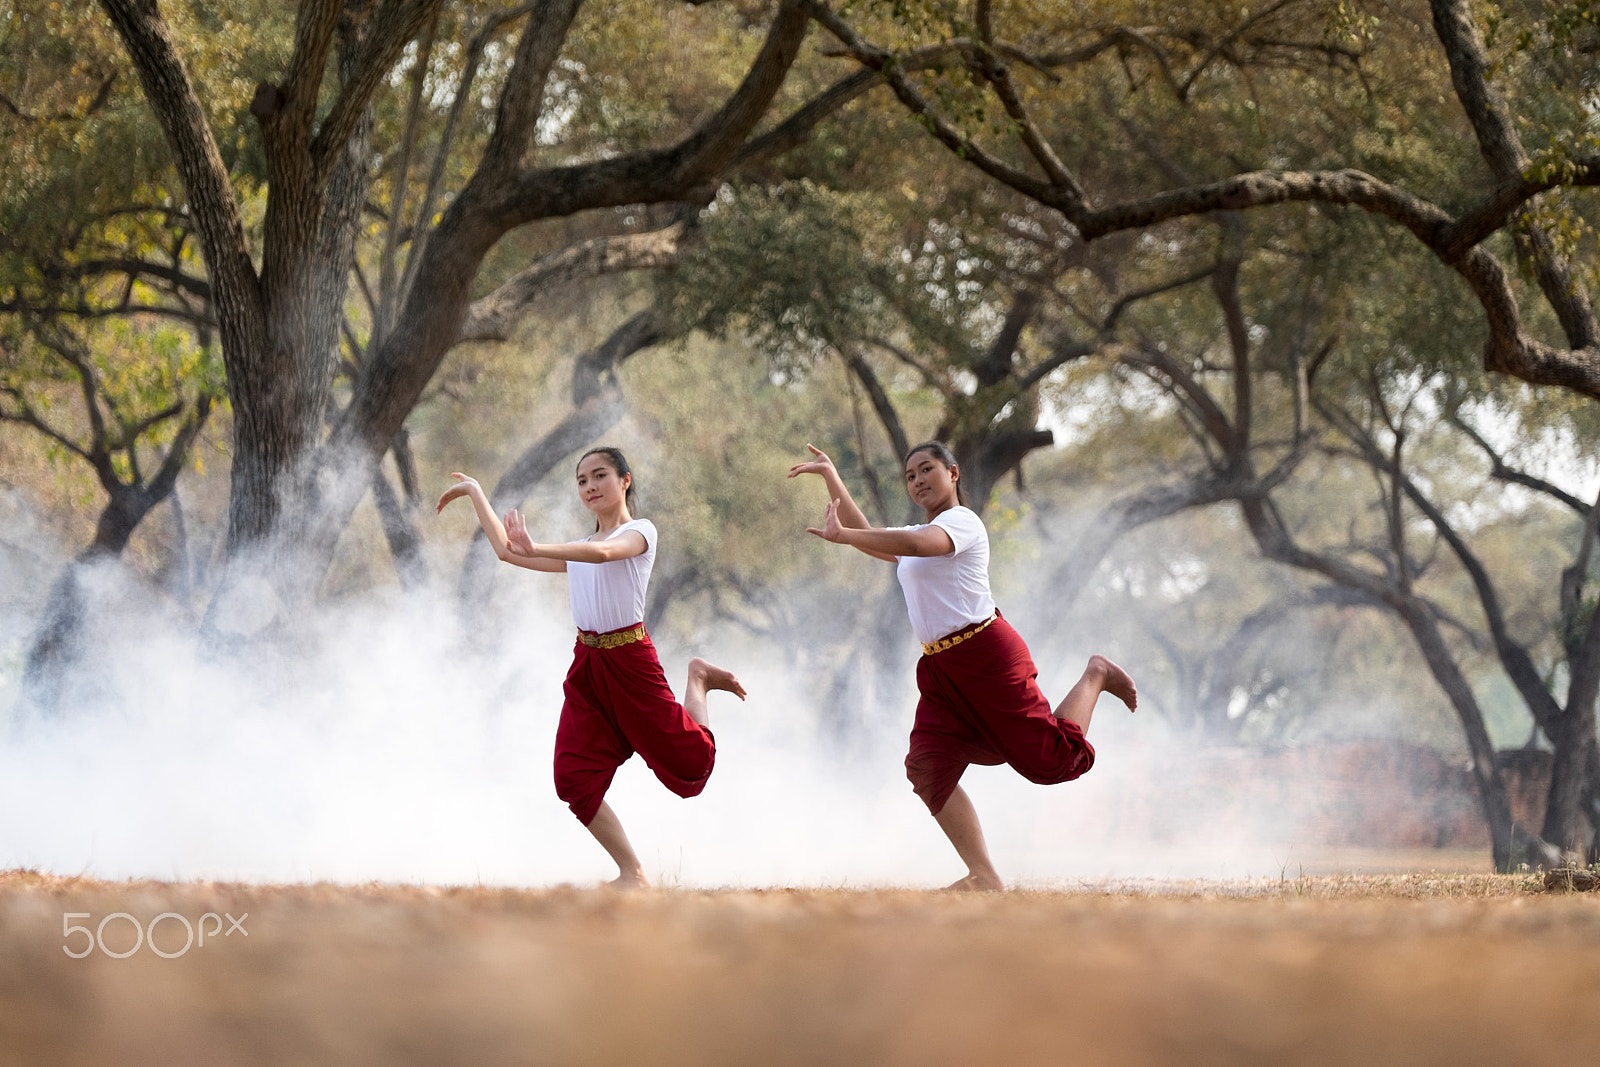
(607, 829)
(1100, 676)
(704, 676)
(959, 821)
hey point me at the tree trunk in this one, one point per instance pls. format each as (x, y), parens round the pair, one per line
(1569, 821)
(58, 645)
(1510, 846)
(866, 685)
(398, 512)
(57, 642)
(1591, 801)
(305, 277)
(1566, 822)
(990, 456)
(280, 387)
(405, 544)
(666, 589)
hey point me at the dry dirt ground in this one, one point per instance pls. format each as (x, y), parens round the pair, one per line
(1380, 970)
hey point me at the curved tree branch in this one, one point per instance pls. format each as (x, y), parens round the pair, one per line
(879, 398)
(888, 65)
(1514, 657)
(430, 196)
(134, 268)
(520, 102)
(492, 317)
(390, 30)
(1501, 472)
(292, 105)
(990, 67)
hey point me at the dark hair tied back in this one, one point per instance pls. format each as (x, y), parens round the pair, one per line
(941, 452)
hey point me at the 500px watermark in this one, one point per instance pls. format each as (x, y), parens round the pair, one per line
(146, 934)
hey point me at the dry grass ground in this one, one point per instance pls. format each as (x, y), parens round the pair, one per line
(1387, 970)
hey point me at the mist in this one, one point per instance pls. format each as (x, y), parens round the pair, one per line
(388, 740)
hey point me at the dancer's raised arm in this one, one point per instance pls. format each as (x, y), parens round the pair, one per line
(883, 544)
(630, 544)
(492, 528)
(848, 514)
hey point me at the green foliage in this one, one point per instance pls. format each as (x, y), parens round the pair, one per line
(144, 366)
(138, 368)
(789, 268)
(85, 152)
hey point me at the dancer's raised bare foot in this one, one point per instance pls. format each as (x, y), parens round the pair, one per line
(977, 883)
(714, 677)
(1116, 681)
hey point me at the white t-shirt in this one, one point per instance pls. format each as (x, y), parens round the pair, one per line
(610, 596)
(950, 592)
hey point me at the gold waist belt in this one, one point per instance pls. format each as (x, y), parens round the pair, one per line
(951, 640)
(614, 640)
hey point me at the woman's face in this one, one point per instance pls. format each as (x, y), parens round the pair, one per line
(598, 485)
(931, 484)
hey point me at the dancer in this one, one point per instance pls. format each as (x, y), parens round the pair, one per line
(617, 698)
(980, 702)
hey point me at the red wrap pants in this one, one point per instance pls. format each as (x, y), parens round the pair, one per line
(618, 703)
(981, 704)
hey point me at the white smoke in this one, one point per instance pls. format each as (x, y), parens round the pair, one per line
(387, 746)
(389, 740)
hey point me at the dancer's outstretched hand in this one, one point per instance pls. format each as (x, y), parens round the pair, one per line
(831, 529)
(819, 463)
(517, 538)
(463, 486)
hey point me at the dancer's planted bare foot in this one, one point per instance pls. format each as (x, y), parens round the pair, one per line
(1116, 681)
(714, 677)
(977, 883)
(629, 880)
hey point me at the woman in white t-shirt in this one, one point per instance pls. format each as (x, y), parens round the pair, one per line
(617, 698)
(980, 698)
